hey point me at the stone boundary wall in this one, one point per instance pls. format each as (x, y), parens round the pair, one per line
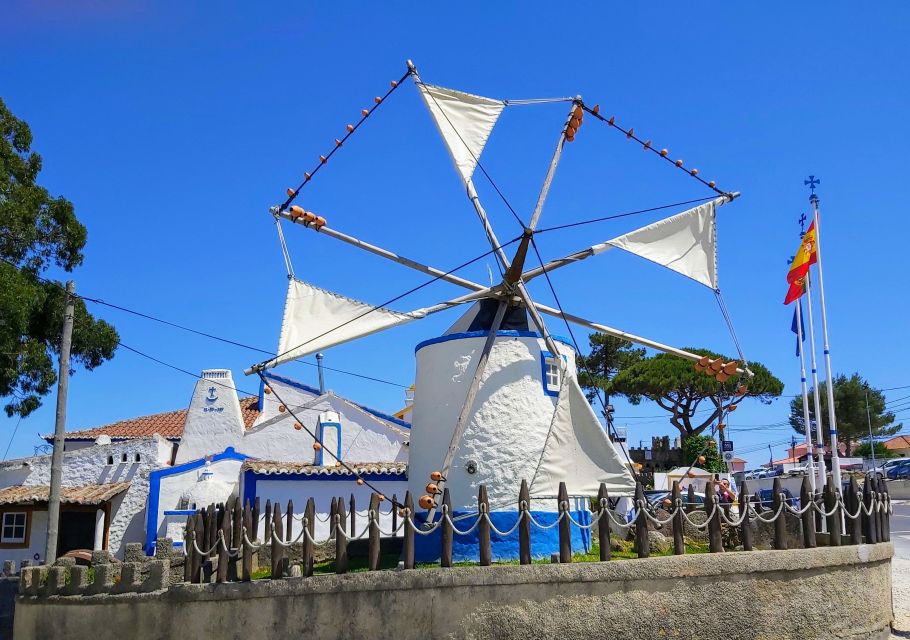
(826, 592)
(899, 489)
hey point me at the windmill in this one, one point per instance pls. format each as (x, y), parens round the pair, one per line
(475, 419)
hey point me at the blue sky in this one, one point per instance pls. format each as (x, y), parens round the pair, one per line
(173, 127)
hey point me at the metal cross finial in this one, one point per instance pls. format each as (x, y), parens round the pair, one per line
(811, 183)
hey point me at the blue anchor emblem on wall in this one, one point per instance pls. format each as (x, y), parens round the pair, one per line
(213, 394)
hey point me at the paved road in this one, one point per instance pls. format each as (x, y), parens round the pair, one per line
(900, 529)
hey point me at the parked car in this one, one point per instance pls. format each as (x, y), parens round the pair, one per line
(881, 471)
(764, 499)
(900, 471)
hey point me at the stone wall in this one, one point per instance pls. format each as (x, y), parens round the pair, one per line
(827, 592)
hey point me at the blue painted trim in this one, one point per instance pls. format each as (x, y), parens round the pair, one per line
(543, 541)
(151, 512)
(251, 479)
(543, 373)
(314, 391)
(261, 402)
(483, 334)
(179, 512)
(320, 460)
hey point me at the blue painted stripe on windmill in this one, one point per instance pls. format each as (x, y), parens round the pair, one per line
(483, 334)
(544, 542)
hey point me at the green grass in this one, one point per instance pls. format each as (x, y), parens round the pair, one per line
(390, 560)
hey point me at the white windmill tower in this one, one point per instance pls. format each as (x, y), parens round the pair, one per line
(497, 398)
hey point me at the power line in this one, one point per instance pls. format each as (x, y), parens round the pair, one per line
(205, 334)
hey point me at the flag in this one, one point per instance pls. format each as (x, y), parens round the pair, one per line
(795, 328)
(805, 257)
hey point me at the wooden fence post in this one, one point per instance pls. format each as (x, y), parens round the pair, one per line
(189, 539)
(712, 511)
(679, 545)
(877, 486)
(353, 508)
(780, 524)
(246, 570)
(224, 545)
(869, 520)
(341, 538)
(267, 525)
(197, 557)
(834, 520)
(373, 519)
(310, 514)
(603, 523)
(886, 512)
(277, 535)
(332, 511)
(446, 533)
(690, 499)
(565, 526)
(852, 501)
(395, 504)
(253, 534)
(807, 519)
(210, 533)
(745, 528)
(236, 539)
(642, 544)
(407, 544)
(483, 527)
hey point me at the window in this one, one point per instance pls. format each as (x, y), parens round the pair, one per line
(110, 460)
(550, 373)
(138, 458)
(123, 458)
(14, 527)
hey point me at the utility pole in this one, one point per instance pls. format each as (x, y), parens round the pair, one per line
(871, 441)
(53, 503)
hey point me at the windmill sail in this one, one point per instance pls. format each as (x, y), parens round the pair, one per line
(685, 243)
(578, 451)
(464, 122)
(316, 319)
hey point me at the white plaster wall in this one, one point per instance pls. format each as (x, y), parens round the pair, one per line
(364, 437)
(214, 421)
(37, 542)
(322, 491)
(88, 465)
(507, 428)
(172, 487)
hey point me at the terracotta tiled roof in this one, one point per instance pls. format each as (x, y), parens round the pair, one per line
(86, 494)
(167, 425)
(271, 467)
(898, 442)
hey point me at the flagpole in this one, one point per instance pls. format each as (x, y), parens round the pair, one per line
(832, 420)
(802, 374)
(819, 436)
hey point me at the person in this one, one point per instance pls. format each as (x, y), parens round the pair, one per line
(725, 493)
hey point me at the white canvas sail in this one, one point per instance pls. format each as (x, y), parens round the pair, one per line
(685, 243)
(464, 122)
(578, 451)
(316, 319)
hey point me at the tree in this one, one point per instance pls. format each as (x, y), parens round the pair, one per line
(37, 231)
(609, 355)
(696, 446)
(881, 451)
(675, 385)
(850, 412)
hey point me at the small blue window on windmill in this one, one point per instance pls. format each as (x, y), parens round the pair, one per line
(550, 373)
(329, 433)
